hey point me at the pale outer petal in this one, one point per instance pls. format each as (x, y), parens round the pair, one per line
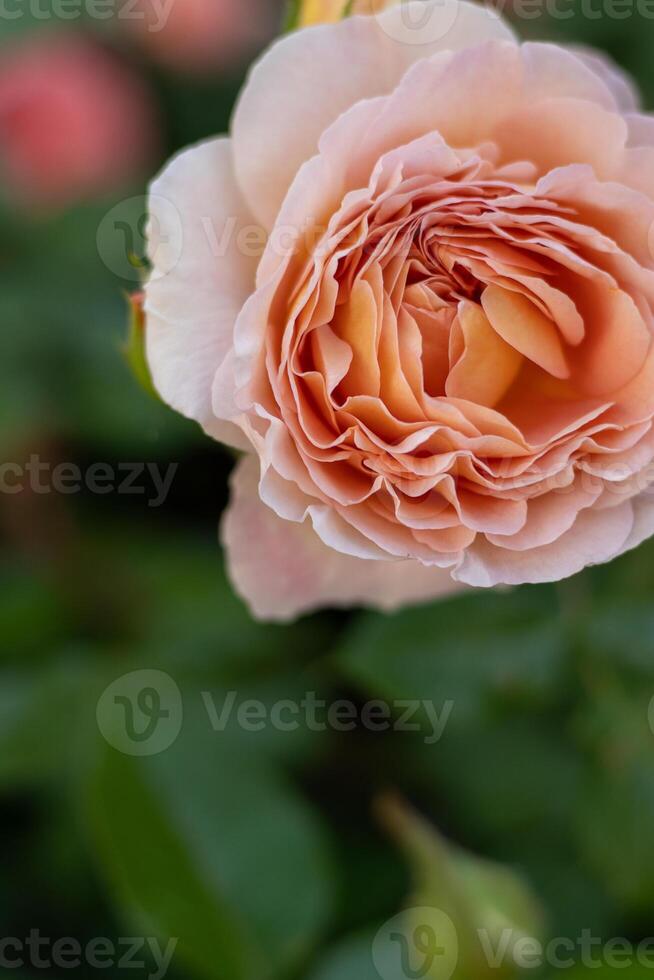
(283, 569)
(307, 79)
(643, 527)
(597, 536)
(618, 81)
(199, 282)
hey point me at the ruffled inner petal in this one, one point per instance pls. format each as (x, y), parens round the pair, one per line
(461, 356)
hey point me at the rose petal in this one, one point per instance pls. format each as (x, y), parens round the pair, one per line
(561, 131)
(525, 328)
(488, 366)
(305, 81)
(283, 570)
(194, 294)
(596, 537)
(622, 86)
(550, 516)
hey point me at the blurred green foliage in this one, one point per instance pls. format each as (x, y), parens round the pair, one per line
(261, 851)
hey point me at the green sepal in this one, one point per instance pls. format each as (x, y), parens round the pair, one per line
(478, 897)
(133, 348)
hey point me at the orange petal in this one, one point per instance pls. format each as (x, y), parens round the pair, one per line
(356, 324)
(488, 366)
(524, 327)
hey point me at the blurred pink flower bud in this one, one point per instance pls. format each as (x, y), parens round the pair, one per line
(201, 35)
(74, 122)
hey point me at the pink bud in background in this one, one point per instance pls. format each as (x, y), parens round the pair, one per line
(201, 35)
(74, 121)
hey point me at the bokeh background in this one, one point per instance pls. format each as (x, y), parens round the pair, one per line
(273, 854)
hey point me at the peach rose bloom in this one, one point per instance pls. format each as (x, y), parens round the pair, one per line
(441, 367)
(74, 121)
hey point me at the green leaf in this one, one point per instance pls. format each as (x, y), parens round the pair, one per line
(32, 621)
(210, 845)
(614, 820)
(46, 721)
(504, 778)
(480, 652)
(351, 959)
(156, 880)
(620, 635)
